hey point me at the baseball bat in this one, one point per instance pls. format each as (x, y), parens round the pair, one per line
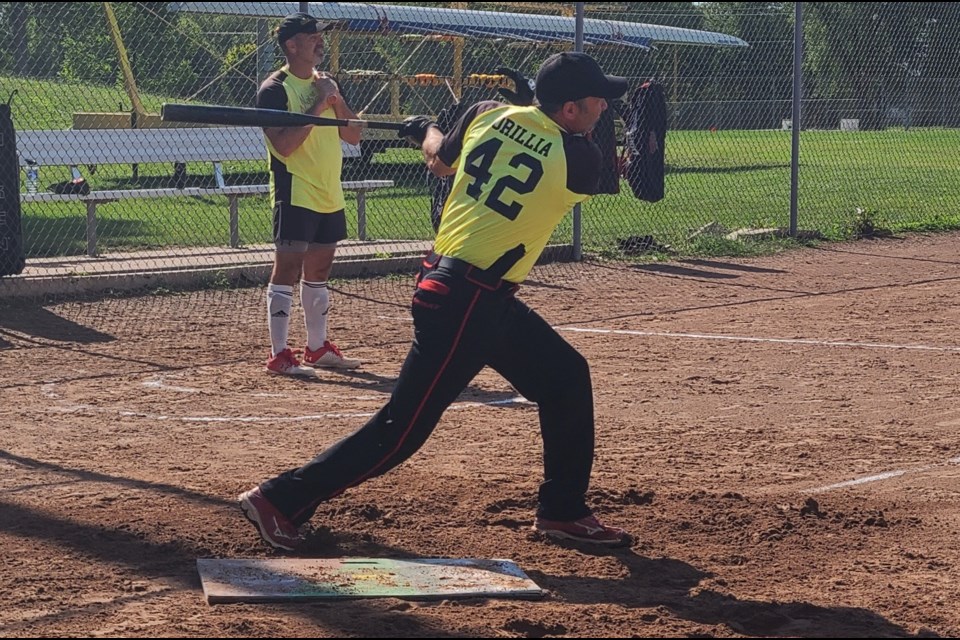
(246, 117)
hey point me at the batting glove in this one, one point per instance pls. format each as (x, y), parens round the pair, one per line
(414, 129)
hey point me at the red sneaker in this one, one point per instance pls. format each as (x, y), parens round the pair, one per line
(328, 356)
(285, 363)
(274, 527)
(586, 529)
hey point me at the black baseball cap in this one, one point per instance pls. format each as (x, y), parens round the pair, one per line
(572, 75)
(300, 23)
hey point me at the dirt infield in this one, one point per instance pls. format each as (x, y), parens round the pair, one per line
(781, 434)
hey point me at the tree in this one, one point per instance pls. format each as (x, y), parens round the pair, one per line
(882, 60)
(19, 38)
(755, 82)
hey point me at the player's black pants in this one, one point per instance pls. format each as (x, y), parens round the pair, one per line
(461, 325)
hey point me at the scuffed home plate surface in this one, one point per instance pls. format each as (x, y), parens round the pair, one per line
(276, 579)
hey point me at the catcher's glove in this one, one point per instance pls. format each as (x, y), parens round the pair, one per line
(414, 129)
(523, 96)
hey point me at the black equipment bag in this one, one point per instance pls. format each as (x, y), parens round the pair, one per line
(605, 136)
(646, 136)
(12, 258)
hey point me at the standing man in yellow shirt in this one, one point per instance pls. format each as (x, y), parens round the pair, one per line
(307, 198)
(518, 170)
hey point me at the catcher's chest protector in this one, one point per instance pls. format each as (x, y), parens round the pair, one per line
(646, 135)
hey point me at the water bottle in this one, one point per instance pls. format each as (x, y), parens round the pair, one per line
(33, 177)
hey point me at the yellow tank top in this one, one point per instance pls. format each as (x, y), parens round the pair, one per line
(510, 188)
(315, 166)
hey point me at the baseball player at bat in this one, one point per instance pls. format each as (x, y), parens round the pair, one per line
(307, 198)
(517, 171)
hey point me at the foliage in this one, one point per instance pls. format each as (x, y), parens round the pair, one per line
(879, 62)
(894, 66)
(240, 89)
(866, 223)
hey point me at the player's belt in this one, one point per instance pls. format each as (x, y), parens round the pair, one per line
(490, 278)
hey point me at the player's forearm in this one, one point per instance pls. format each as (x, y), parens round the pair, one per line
(431, 149)
(286, 140)
(350, 135)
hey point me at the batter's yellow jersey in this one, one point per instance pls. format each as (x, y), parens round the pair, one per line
(310, 176)
(518, 174)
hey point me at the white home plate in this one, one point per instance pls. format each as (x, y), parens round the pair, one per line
(276, 579)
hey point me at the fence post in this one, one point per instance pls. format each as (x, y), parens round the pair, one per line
(577, 210)
(91, 228)
(796, 125)
(362, 214)
(234, 204)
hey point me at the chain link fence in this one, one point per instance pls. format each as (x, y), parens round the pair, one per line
(108, 189)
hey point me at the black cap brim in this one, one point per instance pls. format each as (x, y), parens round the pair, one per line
(616, 87)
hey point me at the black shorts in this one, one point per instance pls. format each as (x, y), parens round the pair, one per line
(296, 224)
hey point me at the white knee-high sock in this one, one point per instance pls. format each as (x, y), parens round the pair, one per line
(315, 298)
(279, 302)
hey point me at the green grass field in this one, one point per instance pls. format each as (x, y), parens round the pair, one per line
(898, 180)
(901, 180)
(50, 104)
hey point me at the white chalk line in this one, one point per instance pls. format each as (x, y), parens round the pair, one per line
(160, 383)
(49, 390)
(879, 477)
(319, 416)
(709, 336)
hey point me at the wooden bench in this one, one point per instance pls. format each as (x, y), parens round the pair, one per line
(89, 147)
